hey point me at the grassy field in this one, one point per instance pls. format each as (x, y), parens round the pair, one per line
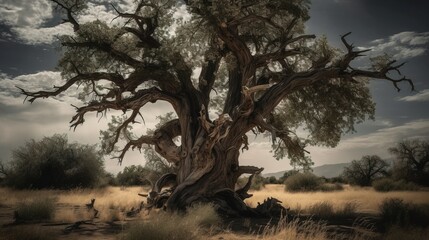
(113, 202)
(367, 199)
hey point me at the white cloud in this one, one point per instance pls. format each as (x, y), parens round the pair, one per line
(45, 80)
(26, 19)
(403, 45)
(25, 13)
(48, 35)
(422, 96)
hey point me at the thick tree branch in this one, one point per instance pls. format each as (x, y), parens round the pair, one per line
(162, 139)
(69, 10)
(112, 77)
(341, 70)
(141, 98)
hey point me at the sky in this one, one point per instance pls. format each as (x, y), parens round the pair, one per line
(29, 54)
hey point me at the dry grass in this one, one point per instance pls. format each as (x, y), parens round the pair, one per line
(112, 202)
(366, 199)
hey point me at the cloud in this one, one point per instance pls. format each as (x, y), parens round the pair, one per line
(25, 13)
(403, 45)
(43, 35)
(27, 19)
(422, 96)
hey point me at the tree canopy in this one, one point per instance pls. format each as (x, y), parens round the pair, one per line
(366, 170)
(228, 69)
(412, 160)
(53, 162)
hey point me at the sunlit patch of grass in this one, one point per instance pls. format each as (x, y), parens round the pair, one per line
(367, 199)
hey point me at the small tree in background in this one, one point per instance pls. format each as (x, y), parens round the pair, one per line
(364, 171)
(53, 162)
(412, 161)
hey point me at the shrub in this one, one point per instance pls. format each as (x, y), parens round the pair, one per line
(395, 211)
(303, 182)
(53, 162)
(387, 185)
(349, 210)
(322, 210)
(131, 175)
(37, 210)
(258, 182)
(330, 187)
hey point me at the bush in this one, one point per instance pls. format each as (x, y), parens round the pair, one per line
(258, 182)
(395, 212)
(326, 210)
(387, 185)
(330, 187)
(303, 182)
(131, 175)
(322, 210)
(53, 162)
(37, 210)
(348, 210)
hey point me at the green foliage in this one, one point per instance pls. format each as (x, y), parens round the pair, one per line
(287, 174)
(38, 209)
(131, 175)
(174, 226)
(303, 182)
(395, 211)
(271, 180)
(388, 184)
(53, 162)
(366, 170)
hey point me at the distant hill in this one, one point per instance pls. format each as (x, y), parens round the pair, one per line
(327, 170)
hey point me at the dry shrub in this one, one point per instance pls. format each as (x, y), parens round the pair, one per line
(326, 210)
(387, 185)
(36, 210)
(396, 212)
(173, 226)
(349, 210)
(330, 187)
(322, 210)
(397, 233)
(303, 182)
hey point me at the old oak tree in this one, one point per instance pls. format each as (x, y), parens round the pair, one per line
(228, 69)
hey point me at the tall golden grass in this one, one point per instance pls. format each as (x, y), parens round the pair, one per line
(112, 202)
(367, 199)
